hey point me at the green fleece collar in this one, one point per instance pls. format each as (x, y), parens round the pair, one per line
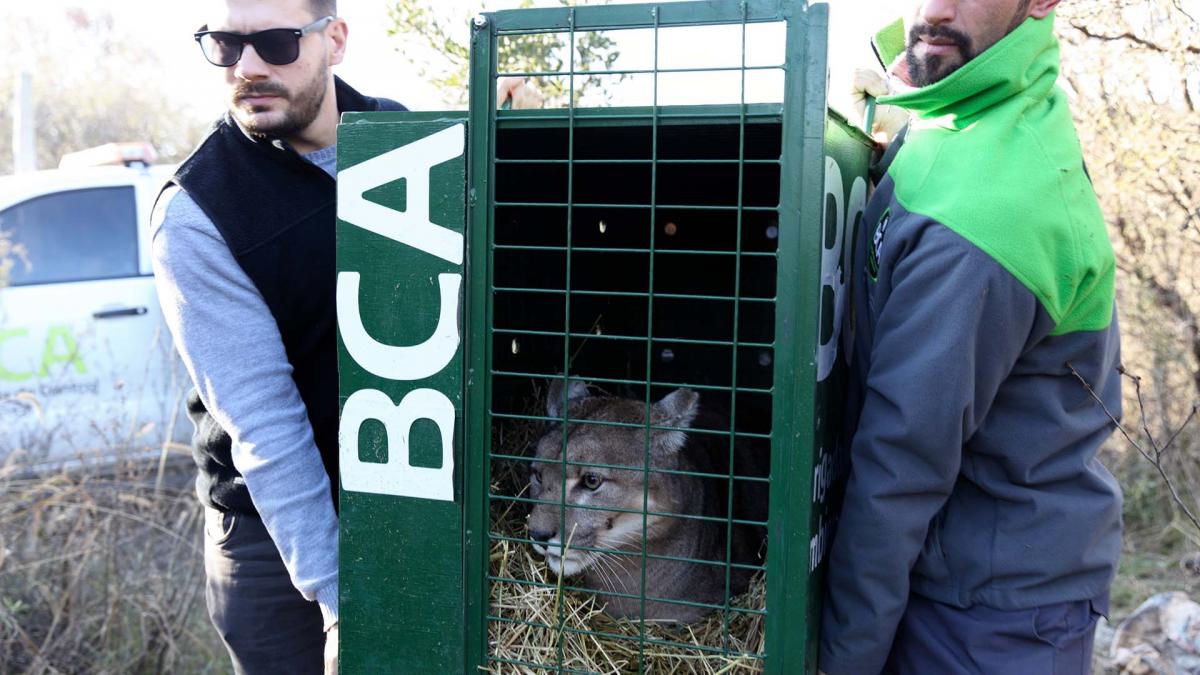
(993, 155)
(1023, 63)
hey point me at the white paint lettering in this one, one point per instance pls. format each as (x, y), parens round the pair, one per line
(411, 227)
(836, 258)
(397, 476)
(400, 362)
(411, 162)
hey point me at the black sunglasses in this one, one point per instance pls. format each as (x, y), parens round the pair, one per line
(277, 46)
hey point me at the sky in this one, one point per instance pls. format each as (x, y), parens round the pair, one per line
(374, 63)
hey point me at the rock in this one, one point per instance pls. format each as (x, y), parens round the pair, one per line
(1101, 664)
(1141, 660)
(1161, 637)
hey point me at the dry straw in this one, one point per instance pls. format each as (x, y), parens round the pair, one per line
(525, 627)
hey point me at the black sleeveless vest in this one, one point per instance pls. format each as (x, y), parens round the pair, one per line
(276, 212)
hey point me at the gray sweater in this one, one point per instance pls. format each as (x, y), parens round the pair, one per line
(232, 349)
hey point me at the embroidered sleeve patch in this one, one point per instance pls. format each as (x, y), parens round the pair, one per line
(877, 244)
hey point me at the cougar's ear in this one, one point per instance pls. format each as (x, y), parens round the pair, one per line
(677, 409)
(575, 390)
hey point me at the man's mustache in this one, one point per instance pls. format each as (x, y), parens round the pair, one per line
(248, 89)
(960, 39)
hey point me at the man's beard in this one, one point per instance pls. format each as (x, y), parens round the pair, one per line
(931, 69)
(934, 67)
(304, 105)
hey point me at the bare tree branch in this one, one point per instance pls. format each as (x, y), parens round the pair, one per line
(1179, 7)
(1129, 36)
(1156, 453)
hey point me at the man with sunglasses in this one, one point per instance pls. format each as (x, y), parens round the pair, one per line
(243, 247)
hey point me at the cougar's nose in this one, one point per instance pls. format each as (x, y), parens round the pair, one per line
(542, 536)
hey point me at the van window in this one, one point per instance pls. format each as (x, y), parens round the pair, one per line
(77, 235)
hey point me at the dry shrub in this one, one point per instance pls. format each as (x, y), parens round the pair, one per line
(101, 571)
(525, 627)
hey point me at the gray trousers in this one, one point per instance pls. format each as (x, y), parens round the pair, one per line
(937, 639)
(267, 626)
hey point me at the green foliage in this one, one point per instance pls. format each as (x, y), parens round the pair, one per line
(436, 42)
(417, 22)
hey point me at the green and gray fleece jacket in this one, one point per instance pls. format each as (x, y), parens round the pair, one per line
(984, 275)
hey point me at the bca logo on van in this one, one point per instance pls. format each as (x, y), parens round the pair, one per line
(402, 364)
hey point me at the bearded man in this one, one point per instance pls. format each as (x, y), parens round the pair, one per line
(243, 249)
(979, 533)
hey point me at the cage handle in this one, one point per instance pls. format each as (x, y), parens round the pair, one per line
(869, 115)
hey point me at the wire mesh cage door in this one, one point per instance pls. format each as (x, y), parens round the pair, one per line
(589, 353)
(654, 315)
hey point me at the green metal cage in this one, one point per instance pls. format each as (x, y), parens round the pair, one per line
(643, 249)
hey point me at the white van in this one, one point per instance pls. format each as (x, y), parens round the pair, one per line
(87, 368)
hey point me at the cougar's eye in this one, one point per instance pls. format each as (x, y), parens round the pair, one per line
(535, 475)
(591, 481)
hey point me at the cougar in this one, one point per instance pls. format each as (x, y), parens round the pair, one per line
(633, 495)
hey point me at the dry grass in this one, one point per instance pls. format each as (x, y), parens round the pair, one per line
(101, 571)
(530, 630)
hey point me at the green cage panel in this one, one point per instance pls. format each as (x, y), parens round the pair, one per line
(591, 356)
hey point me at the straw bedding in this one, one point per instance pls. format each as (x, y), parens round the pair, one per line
(524, 627)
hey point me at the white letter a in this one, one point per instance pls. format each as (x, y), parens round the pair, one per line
(411, 162)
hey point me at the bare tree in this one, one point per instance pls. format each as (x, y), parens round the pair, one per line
(1134, 77)
(1133, 70)
(117, 97)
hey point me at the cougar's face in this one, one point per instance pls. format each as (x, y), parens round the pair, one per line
(592, 507)
(600, 500)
